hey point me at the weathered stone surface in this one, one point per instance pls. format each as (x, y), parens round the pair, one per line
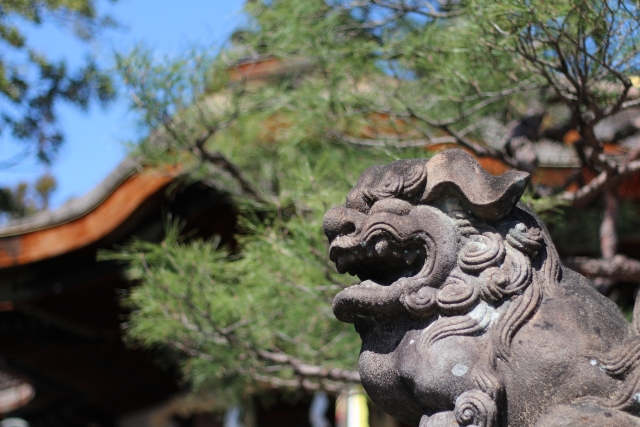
(466, 316)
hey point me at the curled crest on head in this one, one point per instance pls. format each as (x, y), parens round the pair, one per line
(406, 181)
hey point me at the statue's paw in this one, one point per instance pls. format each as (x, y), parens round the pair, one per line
(476, 408)
(440, 419)
(418, 299)
(586, 415)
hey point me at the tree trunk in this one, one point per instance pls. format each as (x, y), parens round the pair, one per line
(608, 234)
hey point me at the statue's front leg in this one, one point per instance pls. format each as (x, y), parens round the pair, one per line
(473, 408)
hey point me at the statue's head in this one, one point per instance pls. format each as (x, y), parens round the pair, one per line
(436, 236)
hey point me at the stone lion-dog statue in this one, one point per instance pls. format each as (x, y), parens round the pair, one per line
(466, 315)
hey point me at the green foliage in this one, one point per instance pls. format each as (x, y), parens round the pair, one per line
(31, 83)
(579, 48)
(547, 208)
(429, 71)
(223, 310)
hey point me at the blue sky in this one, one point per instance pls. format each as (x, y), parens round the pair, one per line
(96, 140)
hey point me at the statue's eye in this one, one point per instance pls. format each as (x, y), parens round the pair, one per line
(394, 206)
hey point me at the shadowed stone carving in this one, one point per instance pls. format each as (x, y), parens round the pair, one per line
(466, 316)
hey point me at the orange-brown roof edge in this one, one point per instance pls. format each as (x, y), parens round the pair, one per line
(74, 208)
(84, 221)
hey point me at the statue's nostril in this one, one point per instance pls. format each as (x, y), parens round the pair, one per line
(348, 228)
(337, 222)
(339, 229)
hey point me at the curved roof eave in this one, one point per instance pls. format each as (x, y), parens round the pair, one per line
(74, 208)
(82, 221)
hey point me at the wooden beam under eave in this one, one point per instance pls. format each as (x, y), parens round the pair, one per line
(105, 218)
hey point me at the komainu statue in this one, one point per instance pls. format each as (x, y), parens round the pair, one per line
(466, 315)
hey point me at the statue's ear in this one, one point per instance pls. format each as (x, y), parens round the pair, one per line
(486, 196)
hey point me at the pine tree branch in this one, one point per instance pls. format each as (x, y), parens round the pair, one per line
(303, 384)
(608, 233)
(220, 160)
(424, 9)
(400, 142)
(599, 183)
(489, 99)
(331, 379)
(631, 103)
(401, 8)
(617, 268)
(478, 149)
(390, 142)
(310, 371)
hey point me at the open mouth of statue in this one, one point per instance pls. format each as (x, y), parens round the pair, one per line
(378, 254)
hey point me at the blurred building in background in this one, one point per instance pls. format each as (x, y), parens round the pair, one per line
(60, 312)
